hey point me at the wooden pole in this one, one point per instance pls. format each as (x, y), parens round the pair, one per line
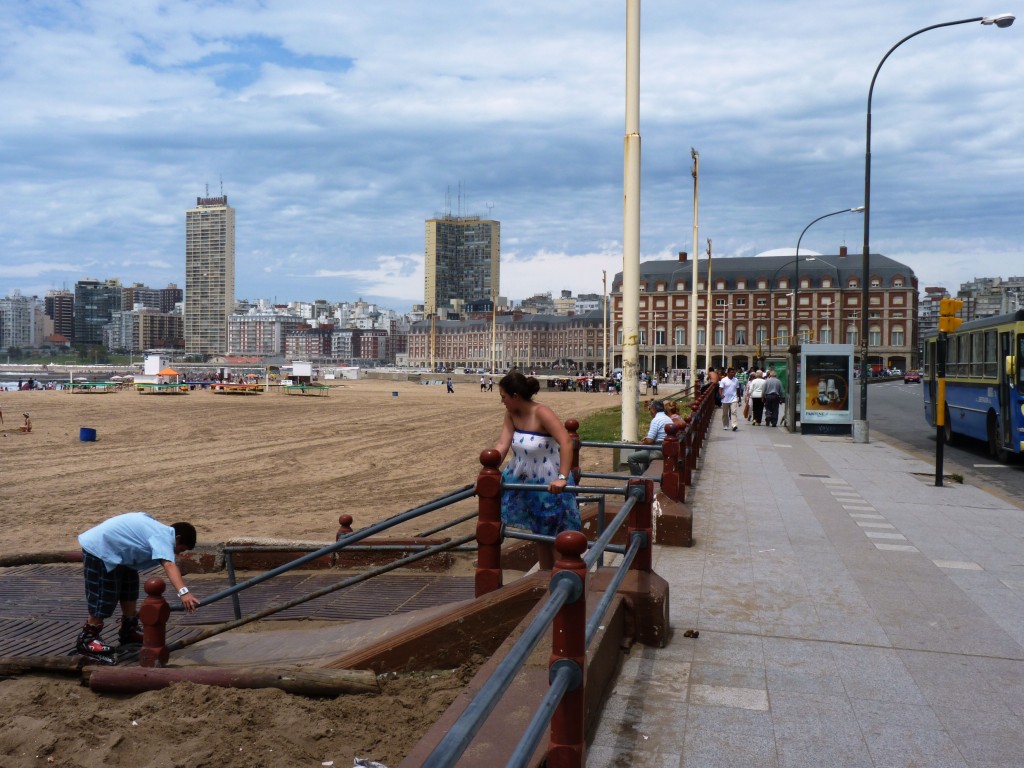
(567, 746)
(305, 681)
(488, 525)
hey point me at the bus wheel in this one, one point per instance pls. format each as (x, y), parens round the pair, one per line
(948, 435)
(995, 447)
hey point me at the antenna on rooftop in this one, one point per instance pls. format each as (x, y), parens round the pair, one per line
(222, 186)
(490, 207)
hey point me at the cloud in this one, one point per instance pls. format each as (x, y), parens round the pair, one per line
(337, 129)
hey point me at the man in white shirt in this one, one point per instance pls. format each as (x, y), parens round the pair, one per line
(729, 388)
(641, 460)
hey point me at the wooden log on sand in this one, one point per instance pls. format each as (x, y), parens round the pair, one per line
(37, 558)
(20, 665)
(321, 683)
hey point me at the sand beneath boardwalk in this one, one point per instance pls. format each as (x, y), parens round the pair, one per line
(272, 466)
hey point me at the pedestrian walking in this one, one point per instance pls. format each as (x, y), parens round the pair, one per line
(730, 400)
(773, 397)
(755, 395)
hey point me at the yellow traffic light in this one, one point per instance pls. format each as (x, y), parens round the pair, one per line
(949, 307)
(949, 324)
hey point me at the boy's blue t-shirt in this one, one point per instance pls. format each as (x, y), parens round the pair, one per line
(133, 539)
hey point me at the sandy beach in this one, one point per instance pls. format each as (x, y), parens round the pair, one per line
(270, 466)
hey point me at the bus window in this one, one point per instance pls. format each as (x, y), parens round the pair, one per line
(1018, 359)
(977, 354)
(926, 360)
(963, 367)
(951, 356)
(991, 354)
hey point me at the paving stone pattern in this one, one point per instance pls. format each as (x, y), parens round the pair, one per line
(850, 614)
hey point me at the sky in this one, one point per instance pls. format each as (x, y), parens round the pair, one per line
(337, 128)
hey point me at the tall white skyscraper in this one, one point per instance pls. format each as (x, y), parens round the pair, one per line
(209, 276)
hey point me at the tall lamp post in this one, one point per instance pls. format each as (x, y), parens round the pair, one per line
(771, 301)
(833, 301)
(771, 289)
(1002, 21)
(725, 329)
(796, 281)
(671, 316)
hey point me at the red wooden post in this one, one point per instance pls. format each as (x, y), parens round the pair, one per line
(567, 746)
(573, 427)
(488, 524)
(689, 457)
(696, 426)
(641, 519)
(154, 614)
(671, 481)
(344, 527)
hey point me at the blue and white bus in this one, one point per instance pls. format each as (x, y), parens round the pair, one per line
(984, 383)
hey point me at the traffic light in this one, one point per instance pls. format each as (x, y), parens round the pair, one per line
(948, 308)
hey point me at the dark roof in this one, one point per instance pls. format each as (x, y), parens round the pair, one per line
(526, 320)
(755, 267)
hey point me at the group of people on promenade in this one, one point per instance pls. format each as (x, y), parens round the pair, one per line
(759, 392)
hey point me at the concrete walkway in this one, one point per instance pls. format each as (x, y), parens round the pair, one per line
(850, 614)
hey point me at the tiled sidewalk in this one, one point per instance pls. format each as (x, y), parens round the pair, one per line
(850, 614)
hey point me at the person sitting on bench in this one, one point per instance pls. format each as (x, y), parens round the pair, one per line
(641, 460)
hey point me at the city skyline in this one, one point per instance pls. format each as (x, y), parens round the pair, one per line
(336, 133)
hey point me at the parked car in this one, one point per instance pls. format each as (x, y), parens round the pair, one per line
(912, 376)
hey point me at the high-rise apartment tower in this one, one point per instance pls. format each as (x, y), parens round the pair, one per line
(461, 262)
(209, 276)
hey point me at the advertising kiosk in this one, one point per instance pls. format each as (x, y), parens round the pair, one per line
(826, 388)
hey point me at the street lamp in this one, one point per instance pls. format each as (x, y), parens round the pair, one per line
(796, 281)
(1002, 21)
(725, 328)
(771, 302)
(669, 319)
(654, 340)
(832, 301)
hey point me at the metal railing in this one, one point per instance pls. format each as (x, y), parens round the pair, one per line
(565, 607)
(567, 587)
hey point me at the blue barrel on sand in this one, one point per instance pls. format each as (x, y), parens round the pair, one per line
(87, 435)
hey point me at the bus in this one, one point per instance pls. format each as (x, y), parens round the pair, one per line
(984, 383)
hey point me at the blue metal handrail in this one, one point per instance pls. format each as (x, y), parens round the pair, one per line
(459, 736)
(431, 506)
(564, 585)
(564, 676)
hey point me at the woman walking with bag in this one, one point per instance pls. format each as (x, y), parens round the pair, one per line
(755, 394)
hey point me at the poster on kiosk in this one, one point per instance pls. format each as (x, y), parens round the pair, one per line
(826, 386)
